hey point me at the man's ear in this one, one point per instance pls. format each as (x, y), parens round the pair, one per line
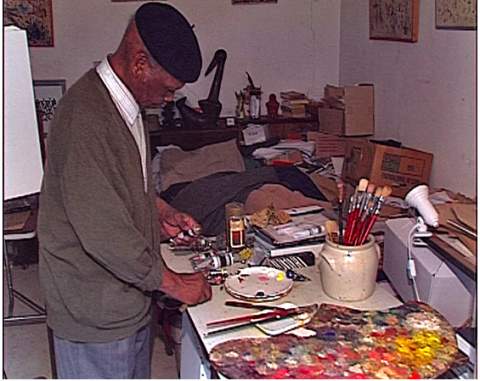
(140, 65)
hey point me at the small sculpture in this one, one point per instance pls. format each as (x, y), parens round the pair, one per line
(168, 115)
(252, 96)
(240, 108)
(211, 107)
(272, 106)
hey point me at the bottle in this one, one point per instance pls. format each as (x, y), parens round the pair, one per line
(236, 232)
(233, 209)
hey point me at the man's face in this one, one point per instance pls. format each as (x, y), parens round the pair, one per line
(157, 87)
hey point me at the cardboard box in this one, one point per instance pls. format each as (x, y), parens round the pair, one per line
(351, 111)
(327, 145)
(401, 168)
(442, 286)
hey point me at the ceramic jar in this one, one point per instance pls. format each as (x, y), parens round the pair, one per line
(349, 273)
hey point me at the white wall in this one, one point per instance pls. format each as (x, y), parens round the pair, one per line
(293, 44)
(425, 91)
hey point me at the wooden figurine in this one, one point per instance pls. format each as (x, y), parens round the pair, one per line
(272, 106)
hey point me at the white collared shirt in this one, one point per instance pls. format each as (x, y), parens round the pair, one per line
(128, 109)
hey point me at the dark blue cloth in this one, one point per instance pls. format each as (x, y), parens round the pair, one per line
(294, 179)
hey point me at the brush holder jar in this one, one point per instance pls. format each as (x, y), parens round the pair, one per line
(349, 273)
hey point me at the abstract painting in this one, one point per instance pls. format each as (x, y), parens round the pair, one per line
(394, 20)
(35, 16)
(47, 95)
(456, 14)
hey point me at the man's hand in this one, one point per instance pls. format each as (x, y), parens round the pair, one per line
(190, 289)
(173, 222)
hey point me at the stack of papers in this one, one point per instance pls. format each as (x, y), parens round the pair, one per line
(307, 149)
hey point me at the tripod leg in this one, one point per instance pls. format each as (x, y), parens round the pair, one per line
(8, 276)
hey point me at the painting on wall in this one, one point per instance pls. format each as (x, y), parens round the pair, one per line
(35, 16)
(47, 94)
(252, 1)
(456, 14)
(394, 20)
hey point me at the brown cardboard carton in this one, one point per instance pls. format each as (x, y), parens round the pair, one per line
(351, 111)
(331, 121)
(401, 168)
(327, 145)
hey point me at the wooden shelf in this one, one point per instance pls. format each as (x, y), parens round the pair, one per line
(190, 139)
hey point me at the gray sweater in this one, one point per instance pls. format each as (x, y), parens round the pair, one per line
(98, 230)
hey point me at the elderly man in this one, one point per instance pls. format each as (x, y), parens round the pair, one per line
(100, 225)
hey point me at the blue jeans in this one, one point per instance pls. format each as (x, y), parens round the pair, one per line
(125, 358)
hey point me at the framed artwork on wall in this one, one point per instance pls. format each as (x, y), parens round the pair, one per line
(456, 14)
(395, 20)
(47, 94)
(35, 16)
(252, 1)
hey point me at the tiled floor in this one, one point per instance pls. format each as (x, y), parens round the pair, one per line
(25, 348)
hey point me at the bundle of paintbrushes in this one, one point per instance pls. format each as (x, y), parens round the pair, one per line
(363, 210)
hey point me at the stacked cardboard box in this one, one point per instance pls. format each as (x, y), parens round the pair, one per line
(348, 110)
(344, 114)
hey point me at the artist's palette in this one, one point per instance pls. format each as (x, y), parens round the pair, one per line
(410, 341)
(259, 283)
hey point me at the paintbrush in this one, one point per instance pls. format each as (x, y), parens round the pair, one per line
(341, 195)
(362, 186)
(351, 206)
(274, 314)
(331, 227)
(366, 209)
(386, 191)
(260, 306)
(371, 211)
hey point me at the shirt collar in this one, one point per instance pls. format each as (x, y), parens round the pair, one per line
(122, 97)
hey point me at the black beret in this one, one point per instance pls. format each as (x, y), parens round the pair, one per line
(169, 38)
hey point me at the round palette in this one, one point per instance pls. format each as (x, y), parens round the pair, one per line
(258, 284)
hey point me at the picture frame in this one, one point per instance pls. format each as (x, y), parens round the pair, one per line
(35, 16)
(253, 1)
(458, 14)
(395, 20)
(47, 94)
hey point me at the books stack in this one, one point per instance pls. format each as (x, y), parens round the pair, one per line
(293, 104)
(264, 245)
